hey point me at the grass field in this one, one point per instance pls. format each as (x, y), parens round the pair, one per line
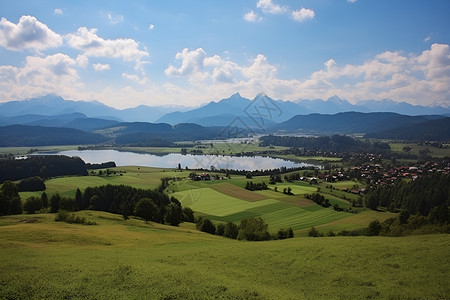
(416, 149)
(227, 200)
(117, 259)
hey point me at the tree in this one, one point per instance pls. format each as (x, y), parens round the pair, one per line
(372, 201)
(206, 225)
(173, 214)
(44, 199)
(15, 206)
(313, 232)
(147, 210)
(231, 230)
(179, 166)
(32, 205)
(403, 216)
(253, 229)
(187, 214)
(374, 228)
(220, 229)
(79, 199)
(54, 203)
(31, 184)
(10, 203)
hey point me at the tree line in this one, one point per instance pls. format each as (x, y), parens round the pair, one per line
(420, 196)
(334, 143)
(150, 205)
(44, 166)
(250, 229)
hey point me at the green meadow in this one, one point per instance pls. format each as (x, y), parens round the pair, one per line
(118, 259)
(226, 200)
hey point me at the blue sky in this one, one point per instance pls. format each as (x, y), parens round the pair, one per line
(127, 53)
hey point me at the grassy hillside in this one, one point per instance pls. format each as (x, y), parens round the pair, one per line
(130, 259)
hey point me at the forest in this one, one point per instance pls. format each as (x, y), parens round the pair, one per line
(44, 166)
(334, 143)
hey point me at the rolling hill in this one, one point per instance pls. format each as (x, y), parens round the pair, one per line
(28, 136)
(432, 130)
(349, 122)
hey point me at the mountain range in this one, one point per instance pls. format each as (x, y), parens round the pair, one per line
(53, 120)
(262, 111)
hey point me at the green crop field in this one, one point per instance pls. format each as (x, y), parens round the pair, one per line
(118, 259)
(227, 200)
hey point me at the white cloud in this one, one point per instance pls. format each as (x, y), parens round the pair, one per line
(28, 33)
(352, 1)
(191, 62)
(82, 60)
(40, 75)
(135, 78)
(98, 67)
(114, 18)
(418, 79)
(251, 16)
(303, 14)
(427, 39)
(58, 11)
(151, 27)
(268, 7)
(92, 45)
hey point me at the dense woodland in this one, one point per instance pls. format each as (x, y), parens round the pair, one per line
(335, 143)
(425, 195)
(44, 166)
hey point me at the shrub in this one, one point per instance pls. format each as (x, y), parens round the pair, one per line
(70, 217)
(231, 230)
(313, 232)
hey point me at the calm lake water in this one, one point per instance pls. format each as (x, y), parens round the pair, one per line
(173, 159)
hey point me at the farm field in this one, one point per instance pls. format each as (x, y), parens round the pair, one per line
(43, 259)
(227, 200)
(230, 202)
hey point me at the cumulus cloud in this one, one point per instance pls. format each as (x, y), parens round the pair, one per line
(420, 79)
(82, 60)
(352, 1)
(58, 11)
(303, 14)
(151, 27)
(91, 44)
(98, 67)
(40, 75)
(28, 33)
(191, 62)
(134, 78)
(269, 7)
(251, 16)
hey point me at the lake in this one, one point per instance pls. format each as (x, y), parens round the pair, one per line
(122, 158)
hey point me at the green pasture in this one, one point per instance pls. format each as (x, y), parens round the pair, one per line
(211, 202)
(416, 149)
(118, 259)
(138, 177)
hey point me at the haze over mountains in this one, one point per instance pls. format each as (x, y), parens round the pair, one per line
(214, 113)
(23, 121)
